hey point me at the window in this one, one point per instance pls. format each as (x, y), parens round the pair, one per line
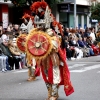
(79, 21)
(85, 21)
(63, 18)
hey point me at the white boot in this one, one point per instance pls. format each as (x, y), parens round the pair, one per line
(3, 70)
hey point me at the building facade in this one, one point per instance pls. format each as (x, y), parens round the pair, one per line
(10, 13)
(4, 12)
(65, 13)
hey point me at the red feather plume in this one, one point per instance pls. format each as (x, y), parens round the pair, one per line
(26, 16)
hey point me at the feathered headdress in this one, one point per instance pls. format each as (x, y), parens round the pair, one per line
(35, 7)
(27, 16)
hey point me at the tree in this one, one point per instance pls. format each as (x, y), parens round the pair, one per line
(95, 11)
(22, 3)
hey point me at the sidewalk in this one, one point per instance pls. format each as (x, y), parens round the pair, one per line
(87, 59)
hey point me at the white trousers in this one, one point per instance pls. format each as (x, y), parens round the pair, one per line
(3, 60)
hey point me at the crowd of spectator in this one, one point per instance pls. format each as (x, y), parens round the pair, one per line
(79, 43)
(10, 56)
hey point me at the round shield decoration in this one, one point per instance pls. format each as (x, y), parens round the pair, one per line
(38, 44)
(21, 42)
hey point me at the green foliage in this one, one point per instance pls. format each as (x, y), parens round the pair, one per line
(95, 11)
(22, 3)
(52, 2)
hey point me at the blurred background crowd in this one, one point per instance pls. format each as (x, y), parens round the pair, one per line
(10, 56)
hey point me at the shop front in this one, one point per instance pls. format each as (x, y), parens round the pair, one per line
(66, 15)
(4, 13)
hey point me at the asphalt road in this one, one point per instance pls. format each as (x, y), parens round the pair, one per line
(85, 77)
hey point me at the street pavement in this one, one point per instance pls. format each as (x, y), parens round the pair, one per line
(84, 76)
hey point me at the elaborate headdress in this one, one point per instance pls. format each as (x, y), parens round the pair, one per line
(44, 37)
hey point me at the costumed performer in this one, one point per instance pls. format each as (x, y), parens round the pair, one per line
(46, 44)
(33, 70)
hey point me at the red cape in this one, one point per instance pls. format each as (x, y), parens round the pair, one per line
(65, 74)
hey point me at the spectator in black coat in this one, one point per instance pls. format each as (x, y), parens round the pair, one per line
(5, 49)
